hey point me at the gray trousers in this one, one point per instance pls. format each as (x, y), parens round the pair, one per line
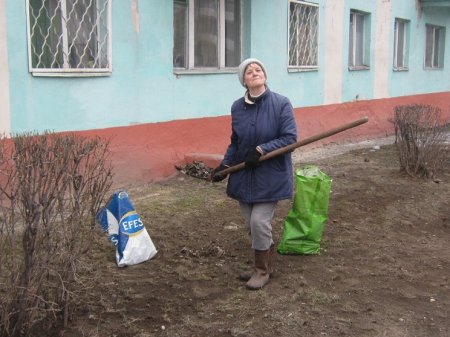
(258, 218)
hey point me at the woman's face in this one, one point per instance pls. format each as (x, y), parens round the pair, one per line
(254, 76)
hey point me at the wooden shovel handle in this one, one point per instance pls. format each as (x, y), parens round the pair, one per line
(293, 146)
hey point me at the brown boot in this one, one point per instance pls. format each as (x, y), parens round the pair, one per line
(246, 275)
(261, 276)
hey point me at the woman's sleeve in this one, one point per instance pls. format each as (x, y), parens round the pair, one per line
(231, 150)
(287, 127)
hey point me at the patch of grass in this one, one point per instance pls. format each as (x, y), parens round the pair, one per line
(165, 200)
(319, 297)
(231, 304)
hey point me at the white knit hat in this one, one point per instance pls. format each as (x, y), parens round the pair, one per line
(244, 65)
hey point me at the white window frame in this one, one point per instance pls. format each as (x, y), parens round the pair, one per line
(354, 44)
(437, 47)
(316, 38)
(66, 71)
(190, 54)
(401, 44)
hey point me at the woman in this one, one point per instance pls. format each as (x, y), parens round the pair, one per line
(262, 121)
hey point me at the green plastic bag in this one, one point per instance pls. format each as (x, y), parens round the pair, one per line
(303, 226)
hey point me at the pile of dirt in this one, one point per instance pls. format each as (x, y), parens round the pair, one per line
(196, 169)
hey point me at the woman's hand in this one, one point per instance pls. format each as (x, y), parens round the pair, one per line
(252, 158)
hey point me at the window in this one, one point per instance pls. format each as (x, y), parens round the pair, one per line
(400, 44)
(207, 34)
(303, 34)
(359, 41)
(69, 37)
(434, 47)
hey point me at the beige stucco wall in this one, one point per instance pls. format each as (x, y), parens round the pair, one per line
(334, 27)
(383, 59)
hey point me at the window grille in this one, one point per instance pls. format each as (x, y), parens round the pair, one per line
(207, 34)
(359, 40)
(400, 44)
(434, 47)
(303, 34)
(69, 36)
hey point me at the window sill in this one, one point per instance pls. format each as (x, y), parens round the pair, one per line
(401, 69)
(305, 69)
(178, 71)
(43, 73)
(358, 68)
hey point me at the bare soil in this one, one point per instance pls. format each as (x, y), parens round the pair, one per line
(383, 270)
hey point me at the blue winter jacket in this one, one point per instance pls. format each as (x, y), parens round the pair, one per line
(270, 124)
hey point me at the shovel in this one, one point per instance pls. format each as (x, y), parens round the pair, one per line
(293, 146)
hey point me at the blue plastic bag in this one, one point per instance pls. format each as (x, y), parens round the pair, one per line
(125, 230)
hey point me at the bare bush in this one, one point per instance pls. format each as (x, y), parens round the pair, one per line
(420, 139)
(51, 187)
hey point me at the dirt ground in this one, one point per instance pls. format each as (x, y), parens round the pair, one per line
(383, 270)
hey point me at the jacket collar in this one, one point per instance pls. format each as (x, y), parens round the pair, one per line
(251, 100)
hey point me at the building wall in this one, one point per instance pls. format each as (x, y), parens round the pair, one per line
(417, 79)
(144, 89)
(332, 23)
(158, 118)
(141, 89)
(149, 152)
(382, 57)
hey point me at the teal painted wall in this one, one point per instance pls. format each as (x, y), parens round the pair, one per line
(417, 78)
(357, 84)
(141, 89)
(270, 44)
(144, 89)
